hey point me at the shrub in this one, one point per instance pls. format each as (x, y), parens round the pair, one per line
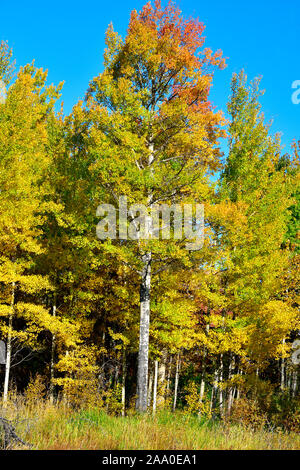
(247, 412)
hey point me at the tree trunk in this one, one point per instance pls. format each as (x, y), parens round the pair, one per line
(231, 389)
(155, 385)
(221, 394)
(150, 387)
(214, 388)
(142, 374)
(294, 383)
(282, 369)
(202, 385)
(8, 347)
(124, 372)
(178, 362)
(162, 380)
(53, 345)
(169, 376)
(145, 287)
(238, 393)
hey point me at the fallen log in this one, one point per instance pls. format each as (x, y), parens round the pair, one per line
(9, 434)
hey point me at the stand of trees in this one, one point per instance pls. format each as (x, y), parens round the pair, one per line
(147, 323)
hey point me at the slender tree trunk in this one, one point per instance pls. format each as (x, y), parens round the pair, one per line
(150, 388)
(124, 373)
(116, 378)
(231, 389)
(162, 379)
(289, 380)
(66, 393)
(294, 383)
(238, 393)
(142, 374)
(221, 393)
(9, 346)
(145, 287)
(155, 385)
(169, 376)
(178, 363)
(202, 385)
(282, 368)
(214, 388)
(53, 346)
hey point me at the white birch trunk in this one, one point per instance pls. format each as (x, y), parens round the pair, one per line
(238, 393)
(169, 376)
(202, 385)
(53, 345)
(161, 380)
(231, 389)
(214, 388)
(176, 382)
(155, 385)
(142, 374)
(294, 383)
(143, 356)
(221, 394)
(9, 346)
(124, 371)
(150, 388)
(282, 369)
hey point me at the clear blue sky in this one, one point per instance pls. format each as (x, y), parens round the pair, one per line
(261, 36)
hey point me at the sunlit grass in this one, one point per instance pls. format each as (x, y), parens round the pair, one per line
(58, 427)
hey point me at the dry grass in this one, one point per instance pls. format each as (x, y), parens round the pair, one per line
(48, 427)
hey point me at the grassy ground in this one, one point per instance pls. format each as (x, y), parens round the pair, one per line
(50, 427)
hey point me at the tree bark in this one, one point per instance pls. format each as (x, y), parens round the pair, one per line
(162, 379)
(202, 385)
(282, 369)
(169, 376)
(231, 389)
(8, 347)
(221, 394)
(214, 388)
(238, 392)
(155, 385)
(178, 363)
(150, 388)
(294, 383)
(145, 287)
(53, 346)
(142, 374)
(124, 372)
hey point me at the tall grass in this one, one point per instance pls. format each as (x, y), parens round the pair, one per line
(49, 427)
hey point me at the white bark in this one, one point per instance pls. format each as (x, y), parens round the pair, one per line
(142, 374)
(282, 369)
(53, 345)
(238, 393)
(9, 346)
(161, 379)
(214, 388)
(231, 389)
(294, 383)
(178, 362)
(169, 376)
(150, 388)
(123, 381)
(143, 356)
(155, 385)
(221, 394)
(202, 385)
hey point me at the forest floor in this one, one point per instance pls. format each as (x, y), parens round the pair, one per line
(47, 427)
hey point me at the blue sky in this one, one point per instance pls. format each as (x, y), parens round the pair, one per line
(67, 38)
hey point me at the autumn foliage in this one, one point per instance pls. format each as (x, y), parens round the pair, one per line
(89, 322)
